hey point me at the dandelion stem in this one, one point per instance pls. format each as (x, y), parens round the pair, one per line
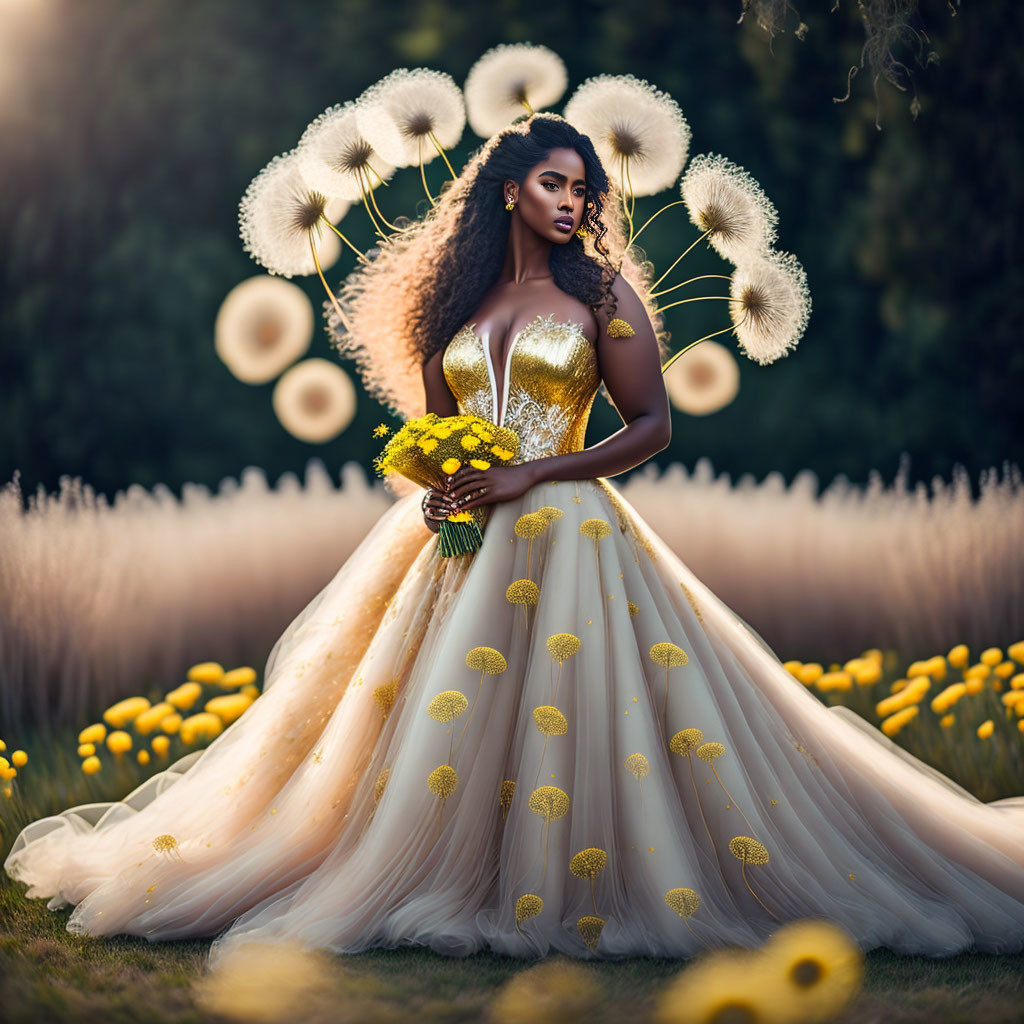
(696, 298)
(423, 173)
(444, 155)
(334, 302)
(743, 872)
(362, 258)
(692, 343)
(522, 99)
(679, 257)
(701, 277)
(625, 196)
(667, 206)
(366, 206)
(373, 200)
(593, 899)
(543, 751)
(700, 806)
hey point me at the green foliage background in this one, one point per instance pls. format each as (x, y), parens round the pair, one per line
(131, 130)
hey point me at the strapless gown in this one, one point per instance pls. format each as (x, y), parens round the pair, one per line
(562, 742)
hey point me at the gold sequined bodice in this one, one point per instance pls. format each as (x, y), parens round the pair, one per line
(550, 380)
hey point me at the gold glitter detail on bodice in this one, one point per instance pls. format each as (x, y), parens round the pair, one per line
(549, 383)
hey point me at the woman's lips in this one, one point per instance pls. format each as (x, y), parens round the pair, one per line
(564, 224)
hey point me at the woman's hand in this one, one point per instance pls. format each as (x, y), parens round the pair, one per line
(436, 507)
(469, 487)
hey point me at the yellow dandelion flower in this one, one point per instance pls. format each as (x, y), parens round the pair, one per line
(160, 745)
(522, 591)
(638, 765)
(381, 429)
(589, 863)
(1016, 651)
(146, 722)
(1004, 669)
(508, 791)
(165, 843)
(528, 905)
(868, 674)
(86, 749)
(244, 676)
(530, 525)
(985, 729)
(91, 765)
(894, 723)
(447, 705)
(595, 528)
(562, 645)
(451, 466)
(748, 850)
(142, 757)
(821, 965)
(470, 442)
(204, 725)
(380, 784)
(959, 656)
(991, 656)
(590, 926)
(479, 463)
(550, 802)
(93, 733)
(185, 696)
(19, 758)
(385, 696)
(709, 751)
(171, 724)
(979, 671)
(685, 741)
(947, 721)
(119, 742)
(486, 659)
(685, 902)
(125, 711)
(442, 781)
(550, 721)
(793, 668)
(206, 672)
(550, 513)
(810, 673)
(974, 686)
(229, 707)
(633, 608)
(668, 655)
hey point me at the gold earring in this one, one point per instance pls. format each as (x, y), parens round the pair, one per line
(510, 206)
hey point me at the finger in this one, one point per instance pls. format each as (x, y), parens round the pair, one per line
(469, 484)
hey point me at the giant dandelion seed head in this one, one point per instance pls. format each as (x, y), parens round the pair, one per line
(522, 591)
(723, 198)
(770, 305)
(668, 654)
(263, 325)
(703, 380)
(639, 132)
(336, 158)
(685, 740)
(315, 400)
(595, 528)
(530, 525)
(279, 214)
(590, 926)
(398, 115)
(528, 905)
(507, 78)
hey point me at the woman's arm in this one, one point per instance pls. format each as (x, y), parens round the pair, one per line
(631, 368)
(439, 396)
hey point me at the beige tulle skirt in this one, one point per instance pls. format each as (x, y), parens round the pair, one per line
(437, 743)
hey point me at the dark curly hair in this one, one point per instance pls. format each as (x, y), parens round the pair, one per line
(427, 281)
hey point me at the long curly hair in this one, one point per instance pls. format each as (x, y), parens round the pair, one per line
(424, 282)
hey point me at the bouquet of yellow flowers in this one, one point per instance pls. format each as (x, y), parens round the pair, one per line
(430, 447)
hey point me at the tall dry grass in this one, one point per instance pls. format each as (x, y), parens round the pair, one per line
(100, 600)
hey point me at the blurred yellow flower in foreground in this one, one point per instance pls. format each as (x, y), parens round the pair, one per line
(146, 722)
(959, 656)
(86, 749)
(892, 725)
(91, 765)
(119, 742)
(93, 734)
(991, 656)
(229, 707)
(266, 983)
(205, 725)
(19, 758)
(985, 729)
(555, 991)
(810, 673)
(238, 677)
(160, 745)
(184, 696)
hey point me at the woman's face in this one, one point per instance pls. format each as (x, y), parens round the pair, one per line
(552, 198)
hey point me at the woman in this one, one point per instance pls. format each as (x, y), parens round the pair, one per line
(563, 741)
